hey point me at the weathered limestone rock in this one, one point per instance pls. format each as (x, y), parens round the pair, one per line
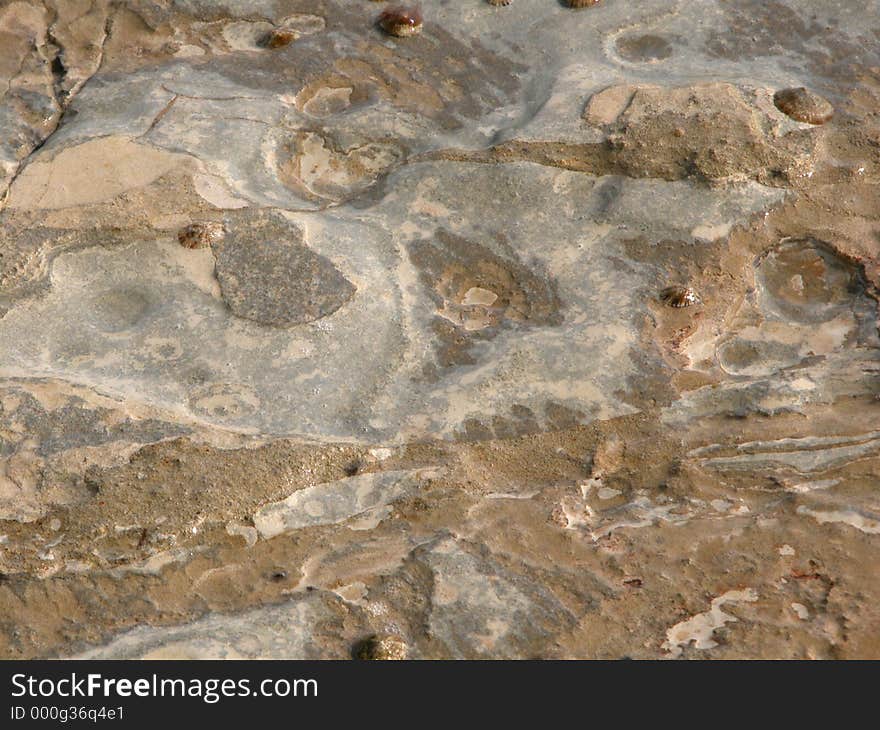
(540, 333)
(715, 132)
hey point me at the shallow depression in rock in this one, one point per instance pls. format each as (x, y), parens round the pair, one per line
(806, 281)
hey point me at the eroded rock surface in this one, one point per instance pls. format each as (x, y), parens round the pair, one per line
(269, 275)
(716, 132)
(314, 338)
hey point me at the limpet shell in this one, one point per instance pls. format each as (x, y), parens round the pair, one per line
(803, 105)
(580, 3)
(278, 38)
(499, 3)
(401, 21)
(679, 296)
(200, 235)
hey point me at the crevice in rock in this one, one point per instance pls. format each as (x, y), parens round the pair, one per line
(63, 98)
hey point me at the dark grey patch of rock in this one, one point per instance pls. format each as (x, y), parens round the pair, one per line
(268, 274)
(75, 425)
(644, 48)
(119, 309)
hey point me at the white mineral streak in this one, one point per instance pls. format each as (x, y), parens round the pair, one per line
(334, 502)
(847, 517)
(700, 629)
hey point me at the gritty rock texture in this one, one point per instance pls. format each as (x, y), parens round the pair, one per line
(715, 132)
(545, 332)
(268, 275)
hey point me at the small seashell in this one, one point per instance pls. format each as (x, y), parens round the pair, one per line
(500, 3)
(580, 3)
(200, 235)
(679, 296)
(803, 105)
(278, 38)
(382, 647)
(401, 21)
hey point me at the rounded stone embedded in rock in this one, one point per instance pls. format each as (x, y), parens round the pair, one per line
(803, 105)
(200, 235)
(401, 21)
(382, 647)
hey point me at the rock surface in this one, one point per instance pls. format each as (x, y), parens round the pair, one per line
(310, 334)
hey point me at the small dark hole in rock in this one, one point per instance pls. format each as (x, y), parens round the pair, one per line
(352, 468)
